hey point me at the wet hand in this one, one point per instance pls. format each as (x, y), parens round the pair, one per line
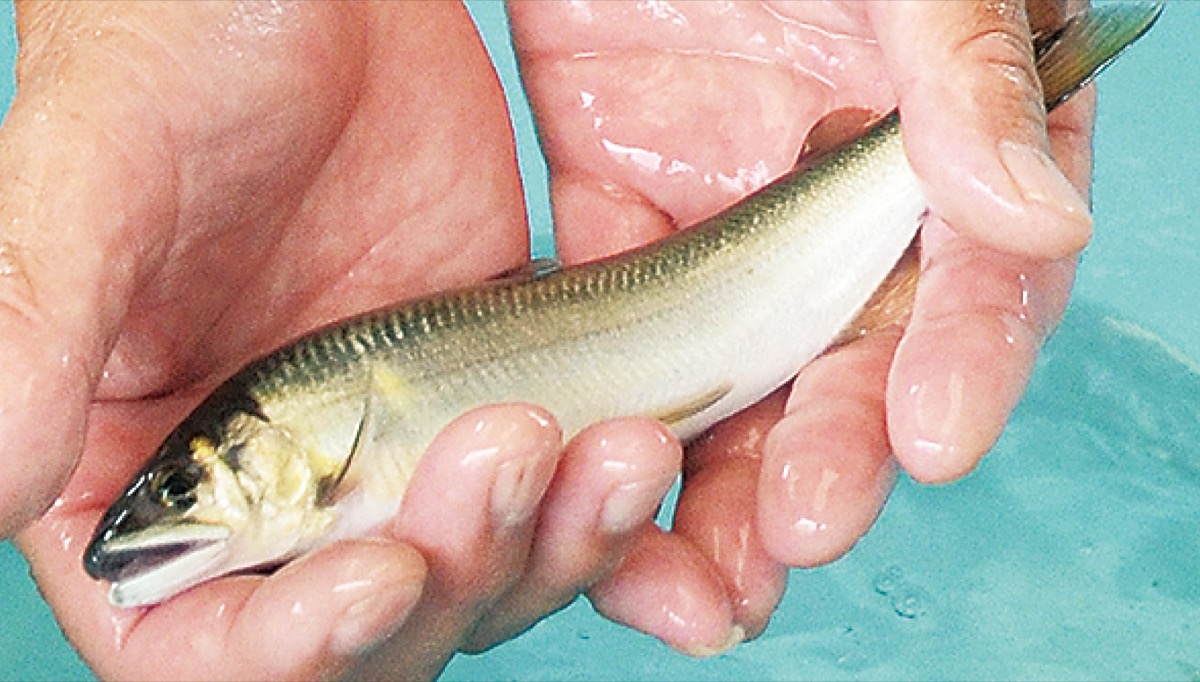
(501, 526)
(655, 116)
(186, 295)
(189, 186)
(186, 189)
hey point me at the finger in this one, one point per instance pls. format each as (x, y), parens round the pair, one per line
(666, 588)
(717, 512)
(979, 320)
(975, 125)
(309, 620)
(312, 619)
(612, 478)
(68, 267)
(826, 469)
(470, 511)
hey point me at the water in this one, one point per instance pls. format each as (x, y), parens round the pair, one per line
(1070, 554)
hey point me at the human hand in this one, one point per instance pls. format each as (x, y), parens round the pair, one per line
(189, 186)
(732, 464)
(655, 115)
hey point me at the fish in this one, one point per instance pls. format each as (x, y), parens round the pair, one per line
(316, 441)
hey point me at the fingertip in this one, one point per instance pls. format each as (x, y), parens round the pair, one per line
(932, 463)
(471, 509)
(666, 589)
(377, 589)
(952, 387)
(827, 475)
(827, 468)
(975, 126)
(502, 455)
(1001, 190)
(321, 612)
(609, 484)
(638, 460)
(43, 417)
(1058, 221)
(717, 507)
(716, 513)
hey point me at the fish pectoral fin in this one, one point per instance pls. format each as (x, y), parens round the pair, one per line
(672, 415)
(331, 486)
(381, 386)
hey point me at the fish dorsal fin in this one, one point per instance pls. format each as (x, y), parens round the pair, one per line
(673, 415)
(536, 269)
(835, 129)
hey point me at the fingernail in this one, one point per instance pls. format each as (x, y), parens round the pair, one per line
(516, 446)
(631, 504)
(518, 488)
(957, 408)
(939, 408)
(1040, 181)
(737, 635)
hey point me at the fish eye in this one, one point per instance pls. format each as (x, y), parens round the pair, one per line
(175, 487)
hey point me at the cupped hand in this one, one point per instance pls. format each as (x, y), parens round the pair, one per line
(189, 185)
(655, 115)
(225, 178)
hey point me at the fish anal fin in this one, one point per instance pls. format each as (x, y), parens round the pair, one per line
(673, 415)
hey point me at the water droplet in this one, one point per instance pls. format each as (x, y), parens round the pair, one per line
(910, 601)
(889, 579)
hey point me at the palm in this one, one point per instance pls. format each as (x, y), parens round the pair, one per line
(669, 115)
(306, 189)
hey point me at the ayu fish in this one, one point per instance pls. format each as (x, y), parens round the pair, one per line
(317, 441)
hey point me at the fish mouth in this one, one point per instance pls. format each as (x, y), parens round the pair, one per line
(149, 566)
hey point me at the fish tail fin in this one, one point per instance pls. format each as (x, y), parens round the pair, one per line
(1070, 57)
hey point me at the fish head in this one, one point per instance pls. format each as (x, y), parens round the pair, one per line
(236, 495)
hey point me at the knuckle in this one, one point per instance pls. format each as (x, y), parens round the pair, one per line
(1007, 51)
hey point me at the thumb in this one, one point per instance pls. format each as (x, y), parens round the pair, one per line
(69, 191)
(975, 126)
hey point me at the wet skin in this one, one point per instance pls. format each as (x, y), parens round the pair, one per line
(194, 213)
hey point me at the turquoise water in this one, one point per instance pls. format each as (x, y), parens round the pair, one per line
(1072, 553)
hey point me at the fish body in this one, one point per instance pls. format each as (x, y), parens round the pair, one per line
(317, 441)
